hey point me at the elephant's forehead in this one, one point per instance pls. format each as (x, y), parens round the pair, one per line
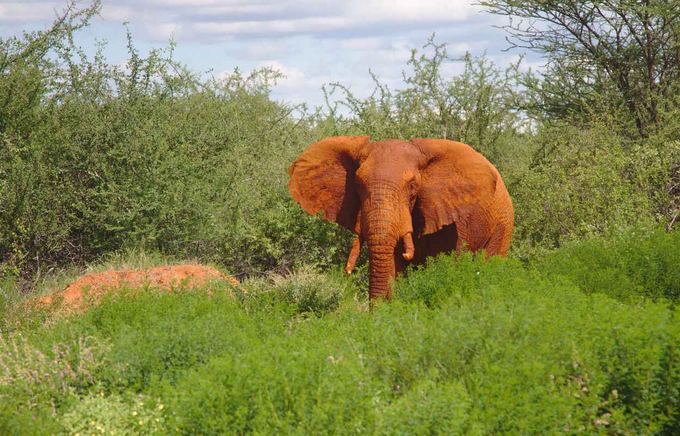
(392, 148)
(389, 160)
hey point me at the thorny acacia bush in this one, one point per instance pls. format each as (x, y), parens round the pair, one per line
(602, 57)
(104, 157)
(468, 346)
(586, 181)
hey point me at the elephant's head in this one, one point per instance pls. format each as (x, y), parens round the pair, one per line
(388, 192)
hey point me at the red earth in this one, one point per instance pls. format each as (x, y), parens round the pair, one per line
(95, 285)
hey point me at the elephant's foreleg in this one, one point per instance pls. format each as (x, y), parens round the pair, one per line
(353, 254)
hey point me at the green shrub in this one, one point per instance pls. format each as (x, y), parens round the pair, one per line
(278, 385)
(468, 346)
(306, 290)
(112, 415)
(36, 384)
(471, 273)
(529, 359)
(588, 361)
(97, 159)
(638, 262)
(587, 182)
(104, 159)
(182, 330)
(429, 407)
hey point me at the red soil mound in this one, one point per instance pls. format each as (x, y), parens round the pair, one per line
(96, 284)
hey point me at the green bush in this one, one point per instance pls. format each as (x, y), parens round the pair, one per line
(306, 290)
(608, 364)
(468, 346)
(35, 382)
(278, 385)
(112, 415)
(635, 263)
(586, 182)
(183, 330)
(96, 158)
(430, 407)
(149, 156)
(492, 355)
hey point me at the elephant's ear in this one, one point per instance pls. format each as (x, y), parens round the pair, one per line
(457, 187)
(322, 179)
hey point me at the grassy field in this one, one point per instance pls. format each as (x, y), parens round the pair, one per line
(577, 340)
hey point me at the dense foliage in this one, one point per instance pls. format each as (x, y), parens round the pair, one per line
(468, 346)
(147, 155)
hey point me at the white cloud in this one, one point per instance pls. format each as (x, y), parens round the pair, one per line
(27, 12)
(312, 42)
(370, 43)
(215, 20)
(113, 12)
(166, 31)
(237, 9)
(366, 16)
(190, 3)
(266, 49)
(218, 20)
(412, 11)
(271, 27)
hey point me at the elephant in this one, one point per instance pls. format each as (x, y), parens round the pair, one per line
(406, 199)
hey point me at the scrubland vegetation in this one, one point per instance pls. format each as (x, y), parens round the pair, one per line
(467, 347)
(577, 331)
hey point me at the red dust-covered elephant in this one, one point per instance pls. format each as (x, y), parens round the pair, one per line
(406, 199)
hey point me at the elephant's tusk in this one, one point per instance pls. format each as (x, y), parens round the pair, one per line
(409, 250)
(353, 254)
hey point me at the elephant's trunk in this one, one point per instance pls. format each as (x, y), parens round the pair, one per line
(381, 271)
(382, 234)
(382, 266)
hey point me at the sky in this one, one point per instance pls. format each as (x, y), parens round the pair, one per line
(312, 42)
